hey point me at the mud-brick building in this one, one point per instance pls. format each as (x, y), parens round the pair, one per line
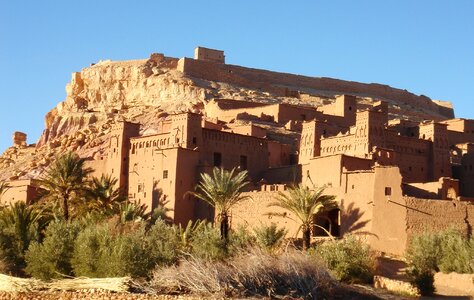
(393, 178)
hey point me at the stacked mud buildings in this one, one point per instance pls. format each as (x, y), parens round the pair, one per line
(393, 178)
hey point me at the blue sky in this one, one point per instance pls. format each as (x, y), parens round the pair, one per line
(426, 47)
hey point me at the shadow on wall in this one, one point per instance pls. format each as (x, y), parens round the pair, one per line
(351, 222)
(160, 205)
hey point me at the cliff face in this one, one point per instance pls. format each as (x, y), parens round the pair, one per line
(144, 91)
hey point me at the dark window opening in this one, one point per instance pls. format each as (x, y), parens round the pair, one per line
(217, 159)
(409, 168)
(165, 174)
(327, 222)
(350, 107)
(243, 162)
(194, 141)
(388, 191)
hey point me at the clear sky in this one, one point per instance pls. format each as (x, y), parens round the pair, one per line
(426, 47)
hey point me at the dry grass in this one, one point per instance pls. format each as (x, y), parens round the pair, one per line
(249, 274)
(17, 285)
(116, 284)
(12, 284)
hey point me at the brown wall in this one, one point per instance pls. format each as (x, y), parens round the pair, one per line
(20, 190)
(255, 78)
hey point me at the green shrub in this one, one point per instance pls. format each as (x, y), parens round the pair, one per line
(208, 244)
(101, 252)
(241, 240)
(269, 237)
(20, 224)
(446, 251)
(349, 259)
(424, 253)
(423, 280)
(457, 253)
(52, 258)
(88, 251)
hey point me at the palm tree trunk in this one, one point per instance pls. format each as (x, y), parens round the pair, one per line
(306, 238)
(66, 207)
(224, 226)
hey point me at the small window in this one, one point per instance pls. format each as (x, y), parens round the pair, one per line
(409, 168)
(243, 162)
(388, 191)
(217, 159)
(140, 188)
(165, 174)
(194, 141)
(350, 107)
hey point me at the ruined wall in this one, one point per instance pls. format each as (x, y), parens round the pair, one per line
(207, 54)
(255, 78)
(437, 215)
(247, 129)
(279, 113)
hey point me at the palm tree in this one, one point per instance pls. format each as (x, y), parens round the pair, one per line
(304, 203)
(20, 225)
(65, 179)
(104, 195)
(26, 221)
(222, 190)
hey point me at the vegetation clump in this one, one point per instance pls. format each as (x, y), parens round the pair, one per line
(446, 251)
(253, 273)
(349, 259)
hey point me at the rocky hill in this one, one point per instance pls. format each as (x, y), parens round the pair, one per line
(145, 91)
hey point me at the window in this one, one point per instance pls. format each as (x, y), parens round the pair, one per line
(141, 187)
(165, 174)
(243, 162)
(194, 141)
(217, 159)
(388, 191)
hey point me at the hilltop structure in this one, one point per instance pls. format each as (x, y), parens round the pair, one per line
(393, 177)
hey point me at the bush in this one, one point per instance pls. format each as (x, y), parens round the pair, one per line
(241, 239)
(457, 253)
(446, 251)
(207, 244)
(269, 237)
(52, 258)
(20, 225)
(424, 252)
(349, 259)
(101, 252)
(292, 274)
(88, 253)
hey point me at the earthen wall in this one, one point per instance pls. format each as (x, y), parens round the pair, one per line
(256, 78)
